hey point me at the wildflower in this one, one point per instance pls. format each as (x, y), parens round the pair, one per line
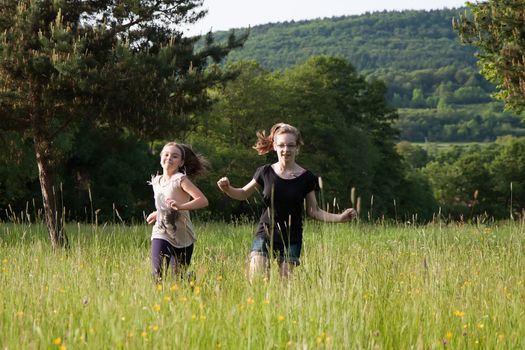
(159, 286)
(480, 325)
(131, 335)
(459, 313)
(174, 287)
(219, 278)
(289, 344)
(62, 347)
(155, 328)
(156, 307)
(20, 313)
(197, 290)
(501, 337)
(280, 318)
(266, 301)
(57, 341)
(167, 299)
(144, 334)
(449, 335)
(250, 300)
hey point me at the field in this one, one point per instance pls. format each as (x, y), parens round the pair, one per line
(360, 286)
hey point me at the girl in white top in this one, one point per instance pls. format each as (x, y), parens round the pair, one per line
(175, 195)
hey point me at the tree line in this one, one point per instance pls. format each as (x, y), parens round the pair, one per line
(431, 76)
(91, 91)
(350, 140)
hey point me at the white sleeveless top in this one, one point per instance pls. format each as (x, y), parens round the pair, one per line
(172, 225)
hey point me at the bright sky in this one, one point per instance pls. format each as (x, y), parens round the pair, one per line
(228, 14)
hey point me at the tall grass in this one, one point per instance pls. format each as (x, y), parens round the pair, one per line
(359, 286)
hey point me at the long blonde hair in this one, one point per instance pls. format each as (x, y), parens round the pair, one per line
(265, 143)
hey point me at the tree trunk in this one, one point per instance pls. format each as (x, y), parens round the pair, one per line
(52, 212)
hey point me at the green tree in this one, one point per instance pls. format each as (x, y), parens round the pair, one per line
(495, 27)
(415, 155)
(463, 183)
(67, 65)
(348, 128)
(508, 169)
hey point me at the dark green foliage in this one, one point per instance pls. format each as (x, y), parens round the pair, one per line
(496, 29)
(402, 41)
(68, 65)
(344, 119)
(107, 173)
(476, 181)
(417, 54)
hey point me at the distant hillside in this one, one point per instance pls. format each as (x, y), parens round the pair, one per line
(431, 77)
(406, 40)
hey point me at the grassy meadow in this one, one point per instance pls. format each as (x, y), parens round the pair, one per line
(360, 286)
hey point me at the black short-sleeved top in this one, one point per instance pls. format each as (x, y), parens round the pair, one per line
(284, 202)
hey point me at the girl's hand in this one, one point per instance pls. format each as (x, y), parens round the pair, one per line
(348, 214)
(223, 183)
(172, 203)
(151, 218)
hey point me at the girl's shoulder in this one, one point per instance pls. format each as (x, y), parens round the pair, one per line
(174, 180)
(155, 179)
(263, 169)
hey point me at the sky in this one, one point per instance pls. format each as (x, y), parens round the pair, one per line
(228, 14)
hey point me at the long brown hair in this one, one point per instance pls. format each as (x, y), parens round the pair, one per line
(265, 143)
(194, 164)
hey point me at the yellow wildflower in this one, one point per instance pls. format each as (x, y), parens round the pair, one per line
(459, 313)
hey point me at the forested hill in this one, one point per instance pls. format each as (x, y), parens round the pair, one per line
(406, 41)
(431, 77)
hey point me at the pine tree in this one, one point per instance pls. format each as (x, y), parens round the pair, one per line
(122, 63)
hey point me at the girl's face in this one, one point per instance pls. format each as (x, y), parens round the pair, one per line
(286, 146)
(171, 158)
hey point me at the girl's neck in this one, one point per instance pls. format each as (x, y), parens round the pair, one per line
(286, 165)
(166, 174)
(287, 170)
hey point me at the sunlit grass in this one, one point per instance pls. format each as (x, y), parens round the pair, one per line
(359, 286)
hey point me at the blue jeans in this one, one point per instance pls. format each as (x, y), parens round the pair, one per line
(284, 253)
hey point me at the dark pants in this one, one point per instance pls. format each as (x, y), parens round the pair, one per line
(162, 253)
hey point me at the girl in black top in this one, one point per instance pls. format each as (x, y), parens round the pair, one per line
(285, 185)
